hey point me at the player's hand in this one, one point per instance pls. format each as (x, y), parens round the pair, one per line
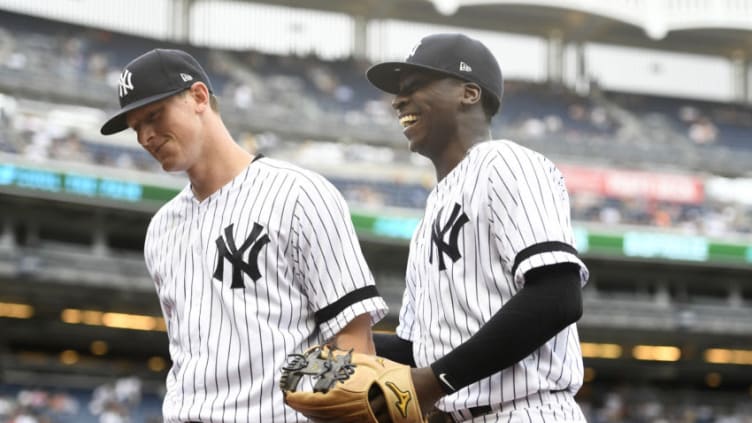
(427, 388)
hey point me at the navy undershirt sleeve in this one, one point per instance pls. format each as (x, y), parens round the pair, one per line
(550, 301)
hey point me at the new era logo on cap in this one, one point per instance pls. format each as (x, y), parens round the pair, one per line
(414, 49)
(450, 54)
(151, 77)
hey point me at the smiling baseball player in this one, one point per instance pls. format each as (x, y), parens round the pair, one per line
(253, 260)
(493, 278)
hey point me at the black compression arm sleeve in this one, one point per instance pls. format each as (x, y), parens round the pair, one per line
(394, 348)
(550, 301)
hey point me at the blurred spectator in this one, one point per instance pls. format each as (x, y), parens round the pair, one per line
(703, 131)
(243, 97)
(70, 148)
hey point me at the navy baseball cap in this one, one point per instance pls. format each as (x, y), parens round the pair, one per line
(151, 77)
(454, 55)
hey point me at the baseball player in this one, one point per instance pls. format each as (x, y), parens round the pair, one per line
(253, 260)
(493, 284)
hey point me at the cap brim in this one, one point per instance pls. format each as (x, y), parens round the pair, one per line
(117, 122)
(386, 76)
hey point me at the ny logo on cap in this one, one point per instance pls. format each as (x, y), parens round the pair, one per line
(125, 84)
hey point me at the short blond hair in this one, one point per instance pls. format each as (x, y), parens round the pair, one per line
(213, 100)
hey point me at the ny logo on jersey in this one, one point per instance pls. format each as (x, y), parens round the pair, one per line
(455, 222)
(228, 250)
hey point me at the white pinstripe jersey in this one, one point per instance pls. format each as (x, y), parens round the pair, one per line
(502, 211)
(266, 266)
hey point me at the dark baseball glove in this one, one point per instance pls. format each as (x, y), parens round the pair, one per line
(344, 381)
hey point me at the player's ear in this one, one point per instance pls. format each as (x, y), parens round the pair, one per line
(201, 96)
(471, 93)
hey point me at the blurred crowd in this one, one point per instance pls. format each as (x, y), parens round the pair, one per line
(278, 90)
(645, 404)
(122, 401)
(119, 401)
(710, 217)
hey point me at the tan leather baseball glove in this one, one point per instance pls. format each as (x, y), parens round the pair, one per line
(343, 383)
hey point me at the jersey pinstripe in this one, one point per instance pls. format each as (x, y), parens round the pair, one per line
(502, 211)
(266, 266)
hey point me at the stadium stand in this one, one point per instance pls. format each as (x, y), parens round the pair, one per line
(544, 117)
(83, 62)
(56, 85)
